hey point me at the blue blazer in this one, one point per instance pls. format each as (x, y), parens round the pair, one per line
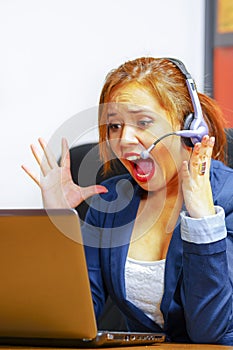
(197, 299)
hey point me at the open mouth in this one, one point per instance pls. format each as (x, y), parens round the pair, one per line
(142, 169)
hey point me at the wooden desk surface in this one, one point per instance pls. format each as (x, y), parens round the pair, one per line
(162, 346)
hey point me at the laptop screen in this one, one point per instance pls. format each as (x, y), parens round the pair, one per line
(45, 287)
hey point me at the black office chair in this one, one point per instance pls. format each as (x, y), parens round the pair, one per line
(229, 134)
(87, 169)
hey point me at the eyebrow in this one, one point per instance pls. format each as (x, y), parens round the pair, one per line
(137, 111)
(111, 114)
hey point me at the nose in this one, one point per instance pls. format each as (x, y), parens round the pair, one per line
(128, 136)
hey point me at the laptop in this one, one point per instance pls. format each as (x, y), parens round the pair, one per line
(45, 296)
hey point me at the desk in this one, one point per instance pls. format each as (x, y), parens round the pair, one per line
(172, 346)
(162, 346)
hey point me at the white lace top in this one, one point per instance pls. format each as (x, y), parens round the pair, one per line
(144, 283)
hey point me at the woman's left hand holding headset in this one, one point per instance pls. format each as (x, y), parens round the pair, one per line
(195, 175)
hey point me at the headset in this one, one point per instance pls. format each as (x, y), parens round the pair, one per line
(195, 126)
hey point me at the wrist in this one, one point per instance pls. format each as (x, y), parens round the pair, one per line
(207, 229)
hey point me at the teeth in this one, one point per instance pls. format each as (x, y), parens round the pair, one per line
(133, 157)
(142, 176)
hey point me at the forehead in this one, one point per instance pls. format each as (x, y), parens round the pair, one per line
(133, 97)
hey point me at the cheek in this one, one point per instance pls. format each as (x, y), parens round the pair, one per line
(114, 145)
(170, 156)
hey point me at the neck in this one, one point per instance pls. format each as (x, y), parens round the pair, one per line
(165, 205)
(172, 189)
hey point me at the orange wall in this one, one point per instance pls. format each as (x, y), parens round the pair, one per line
(223, 80)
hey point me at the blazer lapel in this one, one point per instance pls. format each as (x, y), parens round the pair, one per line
(172, 270)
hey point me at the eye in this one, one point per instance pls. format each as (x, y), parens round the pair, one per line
(143, 124)
(114, 127)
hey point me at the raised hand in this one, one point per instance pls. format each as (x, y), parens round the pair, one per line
(56, 184)
(195, 180)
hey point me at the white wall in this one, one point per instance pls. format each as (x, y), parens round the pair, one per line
(54, 57)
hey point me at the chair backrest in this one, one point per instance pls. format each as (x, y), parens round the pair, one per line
(229, 134)
(87, 169)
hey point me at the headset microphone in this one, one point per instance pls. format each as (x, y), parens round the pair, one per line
(195, 126)
(197, 134)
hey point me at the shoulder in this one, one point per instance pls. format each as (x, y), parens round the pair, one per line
(111, 181)
(220, 173)
(123, 185)
(221, 177)
(121, 200)
(122, 192)
(216, 164)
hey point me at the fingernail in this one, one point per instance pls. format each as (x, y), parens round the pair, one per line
(197, 146)
(212, 140)
(205, 137)
(102, 188)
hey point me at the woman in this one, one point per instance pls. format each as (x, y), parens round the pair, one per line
(159, 239)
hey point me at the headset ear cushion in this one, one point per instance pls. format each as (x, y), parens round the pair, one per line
(187, 124)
